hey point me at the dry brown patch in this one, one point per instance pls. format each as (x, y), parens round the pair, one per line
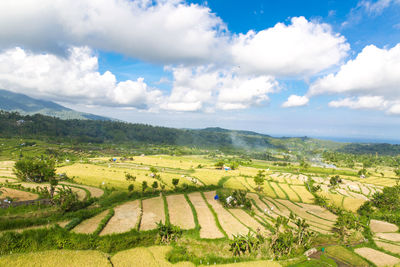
(94, 191)
(377, 257)
(153, 212)
(319, 211)
(382, 227)
(124, 219)
(90, 225)
(80, 192)
(227, 221)
(395, 237)
(387, 246)
(206, 219)
(247, 219)
(180, 213)
(16, 195)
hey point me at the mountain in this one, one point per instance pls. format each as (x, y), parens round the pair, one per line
(26, 105)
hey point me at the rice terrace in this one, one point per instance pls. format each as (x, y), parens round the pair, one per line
(199, 133)
(122, 205)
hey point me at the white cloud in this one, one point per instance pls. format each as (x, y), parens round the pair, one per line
(295, 101)
(374, 71)
(301, 48)
(207, 88)
(74, 79)
(166, 31)
(169, 32)
(373, 77)
(363, 102)
(376, 7)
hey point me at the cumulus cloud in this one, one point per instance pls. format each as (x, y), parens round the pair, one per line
(374, 71)
(207, 88)
(295, 101)
(363, 102)
(301, 48)
(74, 79)
(169, 32)
(166, 31)
(373, 76)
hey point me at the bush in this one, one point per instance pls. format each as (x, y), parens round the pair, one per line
(35, 169)
(168, 232)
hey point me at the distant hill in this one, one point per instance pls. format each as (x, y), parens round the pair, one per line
(49, 128)
(26, 105)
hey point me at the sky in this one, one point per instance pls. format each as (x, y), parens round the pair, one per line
(328, 69)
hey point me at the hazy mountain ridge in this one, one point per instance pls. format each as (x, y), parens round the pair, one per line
(26, 105)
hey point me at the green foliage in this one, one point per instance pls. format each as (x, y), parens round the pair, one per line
(131, 187)
(347, 223)
(130, 177)
(388, 200)
(234, 165)
(285, 239)
(259, 179)
(66, 199)
(144, 186)
(242, 244)
(154, 185)
(335, 180)
(234, 198)
(153, 169)
(220, 164)
(35, 169)
(175, 182)
(168, 233)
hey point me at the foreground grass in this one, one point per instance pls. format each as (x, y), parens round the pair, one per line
(60, 258)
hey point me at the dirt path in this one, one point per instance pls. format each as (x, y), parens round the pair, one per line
(207, 223)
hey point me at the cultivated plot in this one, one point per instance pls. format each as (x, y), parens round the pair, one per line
(207, 223)
(153, 212)
(230, 225)
(124, 219)
(180, 213)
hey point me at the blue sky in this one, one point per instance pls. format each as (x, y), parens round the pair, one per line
(285, 68)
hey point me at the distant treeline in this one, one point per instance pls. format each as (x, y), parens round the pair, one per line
(42, 127)
(373, 149)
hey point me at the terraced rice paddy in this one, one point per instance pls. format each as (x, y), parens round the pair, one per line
(153, 212)
(230, 225)
(278, 190)
(94, 191)
(377, 257)
(382, 227)
(208, 226)
(395, 237)
(80, 192)
(247, 220)
(67, 258)
(90, 225)
(388, 246)
(16, 195)
(180, 213)
(305, 195)
(125, 218)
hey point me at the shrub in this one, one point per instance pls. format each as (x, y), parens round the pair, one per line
(168, 232)
(35, 169)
